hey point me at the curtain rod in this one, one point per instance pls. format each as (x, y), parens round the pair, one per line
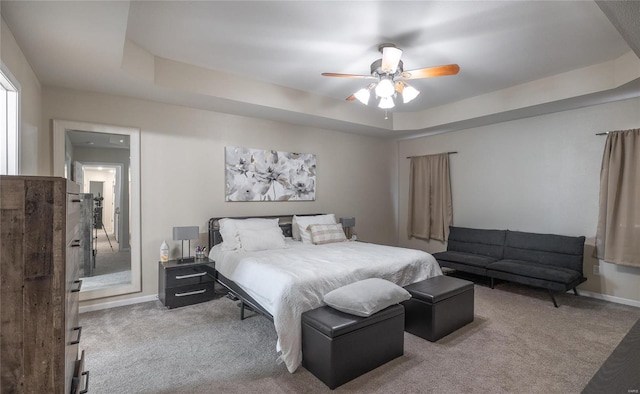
(605, 133)
(449, 153)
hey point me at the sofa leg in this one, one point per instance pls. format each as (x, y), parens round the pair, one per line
(575, 291)
(553, 298)
(491, 282)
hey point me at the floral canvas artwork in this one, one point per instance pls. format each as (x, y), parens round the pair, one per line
(268, 175)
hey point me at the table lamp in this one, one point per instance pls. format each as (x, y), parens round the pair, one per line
(348, 224)
(186, 233)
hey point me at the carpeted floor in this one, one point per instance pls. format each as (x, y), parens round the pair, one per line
(518, 343)
(109, 258)
(106, 280)
(112, 267)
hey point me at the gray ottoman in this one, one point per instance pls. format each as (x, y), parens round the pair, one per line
(338, 347)
(439, 306)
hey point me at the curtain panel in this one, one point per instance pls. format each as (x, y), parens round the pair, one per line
(430, 208)
(618, 234)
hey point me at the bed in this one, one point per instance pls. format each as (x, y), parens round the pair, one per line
(284, 282)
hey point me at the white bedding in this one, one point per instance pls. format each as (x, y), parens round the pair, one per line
(290, 281)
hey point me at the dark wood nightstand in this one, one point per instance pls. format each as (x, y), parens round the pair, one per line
(181, 284)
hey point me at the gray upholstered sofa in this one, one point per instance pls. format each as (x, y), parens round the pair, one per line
(550, 261)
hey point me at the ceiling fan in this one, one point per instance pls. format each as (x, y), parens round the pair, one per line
(391, 78)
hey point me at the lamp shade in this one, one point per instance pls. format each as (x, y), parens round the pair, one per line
(390, 59)
(409, 93)
(363, 96)
(185, 233)
(386, 103)
(385, 88)
(348, 222)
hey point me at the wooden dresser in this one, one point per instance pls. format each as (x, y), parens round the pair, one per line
(40, 253)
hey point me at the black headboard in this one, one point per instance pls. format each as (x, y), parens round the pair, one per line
(284, 221)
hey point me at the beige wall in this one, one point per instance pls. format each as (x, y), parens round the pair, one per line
(182, 169)
(30, 100)
(539, 174)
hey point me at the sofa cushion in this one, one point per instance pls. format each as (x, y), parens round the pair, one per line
(548, 249)
(535, 270)
(475, 260)
(476, 241)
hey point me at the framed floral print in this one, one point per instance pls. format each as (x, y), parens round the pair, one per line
(269, 175)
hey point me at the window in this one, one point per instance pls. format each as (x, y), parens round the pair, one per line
(8, 126)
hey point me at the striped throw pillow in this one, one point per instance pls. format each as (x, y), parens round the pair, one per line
(326, 233)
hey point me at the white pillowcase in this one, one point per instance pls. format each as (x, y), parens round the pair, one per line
(254, 240)
(300, 225)
(366, 297)
(229, 229)
(229, 234)
(326, 233)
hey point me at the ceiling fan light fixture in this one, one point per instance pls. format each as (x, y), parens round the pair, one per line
(363, 96)
(390, 76)
(386, 103)
(385, 88)
(409, 93)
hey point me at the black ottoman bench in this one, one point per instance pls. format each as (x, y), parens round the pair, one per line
(338, 347)
(438, 306)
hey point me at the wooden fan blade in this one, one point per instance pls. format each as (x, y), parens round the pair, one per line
(429, 72)
(348, 75)
(351, 98)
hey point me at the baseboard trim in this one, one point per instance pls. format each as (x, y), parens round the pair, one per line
(618, 300)
(113, 304)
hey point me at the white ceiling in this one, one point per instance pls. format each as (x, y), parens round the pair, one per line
(91, 140)
(264, 58)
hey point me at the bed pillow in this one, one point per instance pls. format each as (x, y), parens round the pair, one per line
(326, 233)
(229, 229)
(300, 225)
(229, 234)
(366, 297)
(266, 239)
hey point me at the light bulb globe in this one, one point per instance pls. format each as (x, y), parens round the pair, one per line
(409, 93)
(363, 96)
(385, 88)
(386, 103)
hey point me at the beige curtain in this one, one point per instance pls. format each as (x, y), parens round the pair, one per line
(430, 209)
(618, 235)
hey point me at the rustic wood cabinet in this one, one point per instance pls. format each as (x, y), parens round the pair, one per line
(40, 253)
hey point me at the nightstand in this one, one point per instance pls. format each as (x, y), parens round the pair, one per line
(181, 284)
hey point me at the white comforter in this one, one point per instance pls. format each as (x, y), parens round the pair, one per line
(290, 281)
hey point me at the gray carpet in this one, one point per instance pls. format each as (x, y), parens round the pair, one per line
(108, 257)
(518, 343)
(112, 267)
(106, 280)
